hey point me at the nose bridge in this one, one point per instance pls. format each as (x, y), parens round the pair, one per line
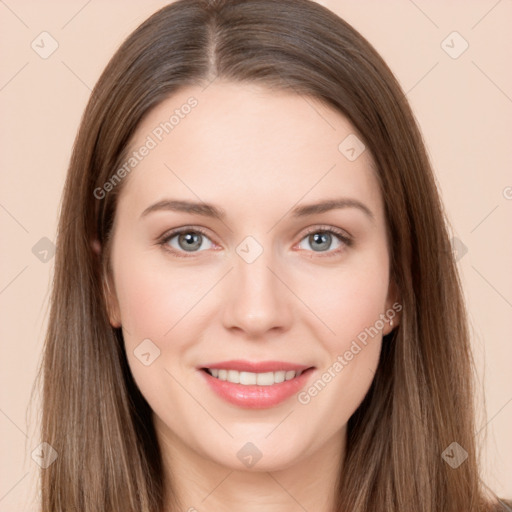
(256, 300)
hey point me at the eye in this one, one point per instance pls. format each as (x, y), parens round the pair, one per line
(322, 239)
(193, 240)
(187, 240)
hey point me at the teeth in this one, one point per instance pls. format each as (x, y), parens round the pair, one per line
(247, 378)
(251, 379)
(233, 376)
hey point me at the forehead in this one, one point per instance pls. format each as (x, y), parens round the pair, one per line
(244, 141)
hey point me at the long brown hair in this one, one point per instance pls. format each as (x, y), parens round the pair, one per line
(421, 400)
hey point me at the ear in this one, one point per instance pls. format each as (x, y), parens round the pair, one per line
(108, 289)
(111, 301)
(96, 247)
(393, 308)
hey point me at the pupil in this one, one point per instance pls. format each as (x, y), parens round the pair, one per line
(192, 241)
(323, 239)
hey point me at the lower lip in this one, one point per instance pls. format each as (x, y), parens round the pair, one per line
(257, 397)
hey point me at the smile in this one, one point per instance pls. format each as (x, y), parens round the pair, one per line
(253, 385)
(251, 379)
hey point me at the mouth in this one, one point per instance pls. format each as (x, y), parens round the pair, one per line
(256, 385)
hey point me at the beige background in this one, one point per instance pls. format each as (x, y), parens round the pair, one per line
(463, 105)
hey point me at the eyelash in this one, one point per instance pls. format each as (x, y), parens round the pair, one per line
(342, 237)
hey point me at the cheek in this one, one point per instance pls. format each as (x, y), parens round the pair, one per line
(351, 305)
(156, 304)
(152, 299)
(348, 299)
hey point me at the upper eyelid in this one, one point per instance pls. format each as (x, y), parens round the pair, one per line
(331, 229)
(185, 229)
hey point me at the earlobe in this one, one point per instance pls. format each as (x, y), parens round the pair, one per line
(111, 304)
(392, 322)
(96, 247)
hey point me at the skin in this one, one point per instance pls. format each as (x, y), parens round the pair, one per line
(256, 154)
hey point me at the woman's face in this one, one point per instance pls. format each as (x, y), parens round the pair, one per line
(259, 283)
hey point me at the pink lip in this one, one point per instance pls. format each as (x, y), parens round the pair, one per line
(257, 397)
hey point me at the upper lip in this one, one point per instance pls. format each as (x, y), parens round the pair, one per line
(256, 366)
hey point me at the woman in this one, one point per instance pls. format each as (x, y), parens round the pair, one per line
(256, 305)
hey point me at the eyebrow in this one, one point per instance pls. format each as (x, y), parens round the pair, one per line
(209, 210)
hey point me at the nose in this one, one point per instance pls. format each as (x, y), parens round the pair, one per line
(256, 300)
